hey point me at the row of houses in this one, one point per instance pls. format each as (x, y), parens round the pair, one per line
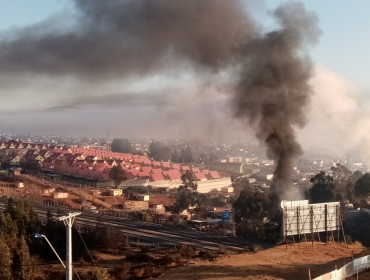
(95, 165)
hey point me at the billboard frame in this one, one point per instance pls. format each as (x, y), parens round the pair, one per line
(300, 217)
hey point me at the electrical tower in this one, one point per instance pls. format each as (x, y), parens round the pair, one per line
(68, 221)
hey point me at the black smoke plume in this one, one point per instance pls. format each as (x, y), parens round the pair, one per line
(118, 39)
(272, 90)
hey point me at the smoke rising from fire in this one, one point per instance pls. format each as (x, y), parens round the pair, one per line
(273, 91)
(116, 40)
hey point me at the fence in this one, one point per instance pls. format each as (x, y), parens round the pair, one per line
(357, 266)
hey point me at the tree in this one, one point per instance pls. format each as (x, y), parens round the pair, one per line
(32, 166)
(186, 156)
(175, 156)
(117, 174)
(5, 261)
(5, 163)
(121, 145)
(323, 188)
(342, 181)
(362, 186)
(138, 153)
(155, 150)
(358, 227)
(166, 153)
(60, 165)
(203, 158)
(350, 186)
(99, 274)
(26, 218)
(213, 157)
(187, 194)
(251, 209)
(251, 205)
(8, 229)
(159, 152)
(21, 268)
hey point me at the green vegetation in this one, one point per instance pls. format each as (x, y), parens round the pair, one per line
(99, 274)
(15, 224)
(121, 145)
(31, 166)
(159, 152)
(357, 227)
(251, 209)
(362, 187)
(323, 189)
(117, 174)
(187, 194)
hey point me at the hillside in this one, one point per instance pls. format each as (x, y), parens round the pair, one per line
(271, 264)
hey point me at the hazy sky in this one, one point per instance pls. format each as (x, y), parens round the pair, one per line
(343, 47)
(338, 110)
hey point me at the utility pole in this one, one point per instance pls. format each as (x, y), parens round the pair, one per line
(68, 222)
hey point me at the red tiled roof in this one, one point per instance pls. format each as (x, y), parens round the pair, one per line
(214, 175)
(144, 175)
(135, 166)
(175, 166)
(205, 171)
(99, 167)
(130, 175)
(146, 169)
(173, 174)
(195, 170)
(166, 165)
(155, 177)
(94, 175)
(200, 176)
(156, 170)
(185, 168)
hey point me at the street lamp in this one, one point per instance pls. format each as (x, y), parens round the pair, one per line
(37, 235)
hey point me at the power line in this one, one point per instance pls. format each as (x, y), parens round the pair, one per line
(85, 245)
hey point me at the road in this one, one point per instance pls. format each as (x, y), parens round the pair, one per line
(155, 233)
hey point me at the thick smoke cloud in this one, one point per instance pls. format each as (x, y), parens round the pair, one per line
(273, 91)
(112, 40)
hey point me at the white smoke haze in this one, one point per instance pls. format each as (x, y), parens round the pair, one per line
(339, 115)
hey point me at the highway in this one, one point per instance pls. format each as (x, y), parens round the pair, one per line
(155, 233)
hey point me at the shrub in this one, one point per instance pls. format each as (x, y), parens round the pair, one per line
(186, 251)
(221, 249)
(208, 255)
(99, 274)
(139, 258)
(170, 258)
(139, 272)
(124, 274)
(253, 248)
(348, 240)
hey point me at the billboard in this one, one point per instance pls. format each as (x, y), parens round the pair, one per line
(300, 217)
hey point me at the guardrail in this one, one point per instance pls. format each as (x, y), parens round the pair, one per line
(356, 266)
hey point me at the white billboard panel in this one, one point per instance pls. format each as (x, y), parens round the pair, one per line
(301, 217)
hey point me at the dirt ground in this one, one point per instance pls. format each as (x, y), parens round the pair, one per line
(271, 264)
